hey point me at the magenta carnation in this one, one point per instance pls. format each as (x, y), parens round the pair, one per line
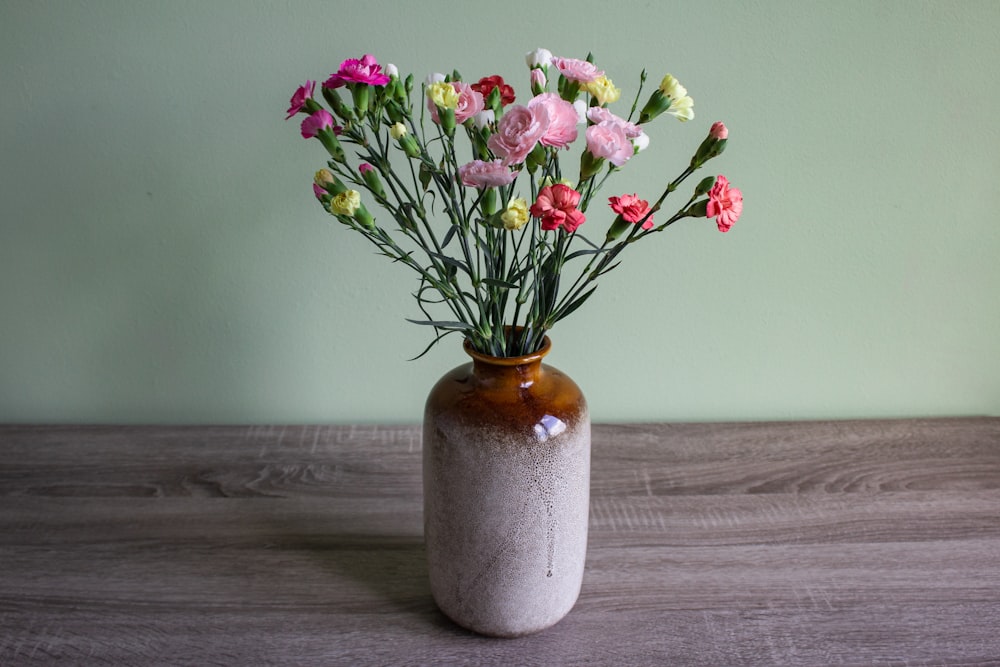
(366, 70)
(561, 130)
(480, 174)
(302, 93)
(518, 132)
(724, 204)
(319, 120)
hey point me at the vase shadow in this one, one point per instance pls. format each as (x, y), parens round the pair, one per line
(388, 570)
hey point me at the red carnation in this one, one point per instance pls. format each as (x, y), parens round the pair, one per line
(488, 83)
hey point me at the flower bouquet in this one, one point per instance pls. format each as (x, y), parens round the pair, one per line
(483, 205)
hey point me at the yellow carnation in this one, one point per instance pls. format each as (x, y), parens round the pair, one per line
(681, 108)
(324, 177)
(672, 88)
(443, 95)
(516, 214)
(346, 203)
(398, 131)
(604, 90)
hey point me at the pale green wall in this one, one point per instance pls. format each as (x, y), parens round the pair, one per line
(162, 259)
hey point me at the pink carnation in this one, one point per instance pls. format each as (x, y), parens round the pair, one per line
(607, 140)
(561, 131)
(518, 132)
(470, 102)
(577, 70)
(302, 93)
(480, 174)
(319, 120)
(364, 168)
(600, 114)
(538, 80)
(719, 130)
(556, 206)
(319, 192)
(366, 70)
(724, 204)
(632, 209)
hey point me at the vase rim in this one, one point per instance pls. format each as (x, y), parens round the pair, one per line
(521, 360)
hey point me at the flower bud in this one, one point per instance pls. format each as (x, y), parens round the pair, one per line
(536, 158)
(704, 186)
(328, 138)
(394, 111)
(371, 178)
(657, 104)
(488, 203)
(699, 209)
(617, 228)
(325, 179)
(590, 165)
(398, 131)
(538, 58)
(359, 93)
(364, 218)
(333, 99)
(719, 130)
(484, 118)
(711, 147)
(538, 81)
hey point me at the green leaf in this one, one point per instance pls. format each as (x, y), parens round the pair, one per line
(496, 282)
(442, 324)
(601, 272)
(581, 253)
(572, 306)
(452, 262)
(449, 235)
(433, 343)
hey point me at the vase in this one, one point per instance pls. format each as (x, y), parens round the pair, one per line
(506, 476)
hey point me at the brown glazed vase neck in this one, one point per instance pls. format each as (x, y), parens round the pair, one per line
(516, 393)
(508, 372)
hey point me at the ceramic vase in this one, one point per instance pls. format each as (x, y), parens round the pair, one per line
(506, 476)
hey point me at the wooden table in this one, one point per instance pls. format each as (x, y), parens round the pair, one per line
(820, 543)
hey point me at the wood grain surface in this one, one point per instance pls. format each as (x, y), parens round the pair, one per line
(818, 543)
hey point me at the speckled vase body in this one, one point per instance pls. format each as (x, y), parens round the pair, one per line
(506, 470)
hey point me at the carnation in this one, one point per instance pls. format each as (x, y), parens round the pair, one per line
(480, 174)
(577, 70)
(458, 177)
(518, 132)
